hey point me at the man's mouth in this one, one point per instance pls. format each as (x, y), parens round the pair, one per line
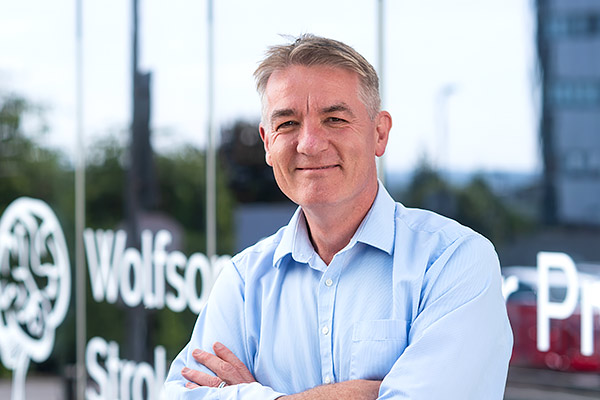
(318, 168)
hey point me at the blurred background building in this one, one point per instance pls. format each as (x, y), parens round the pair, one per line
(568, 43)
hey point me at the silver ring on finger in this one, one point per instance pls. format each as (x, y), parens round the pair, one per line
(222, 385)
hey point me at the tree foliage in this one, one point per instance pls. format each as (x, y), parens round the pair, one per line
(26, 168)
(474, 204)
(249, 177)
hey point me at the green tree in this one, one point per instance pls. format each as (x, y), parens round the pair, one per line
(427, 189)
(484, 211)
(249, 177)
(474, 205)
(26, 168)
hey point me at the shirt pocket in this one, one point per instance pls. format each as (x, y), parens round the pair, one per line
(376, 345)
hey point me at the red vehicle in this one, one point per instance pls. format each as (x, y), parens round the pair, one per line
(565, 335)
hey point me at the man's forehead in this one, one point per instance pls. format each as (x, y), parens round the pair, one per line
(299, 87)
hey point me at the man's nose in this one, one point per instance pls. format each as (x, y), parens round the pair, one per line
(312, 139)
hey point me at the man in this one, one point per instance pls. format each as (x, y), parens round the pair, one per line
(357, 297)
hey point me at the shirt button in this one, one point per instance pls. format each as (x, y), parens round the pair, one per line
(328, 282)
(327, 380)
(325, 330)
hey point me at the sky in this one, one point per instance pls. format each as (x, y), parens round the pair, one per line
(458, 77)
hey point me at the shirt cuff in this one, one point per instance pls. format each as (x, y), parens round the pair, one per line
(254, 390)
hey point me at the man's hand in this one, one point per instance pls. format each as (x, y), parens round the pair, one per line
(223, 363)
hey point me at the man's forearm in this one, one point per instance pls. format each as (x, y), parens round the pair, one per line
(359, 389)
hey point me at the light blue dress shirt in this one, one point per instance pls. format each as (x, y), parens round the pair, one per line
(414, 300)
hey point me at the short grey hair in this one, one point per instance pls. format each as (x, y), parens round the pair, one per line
(311, 50)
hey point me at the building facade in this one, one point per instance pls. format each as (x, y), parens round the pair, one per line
(568, 44)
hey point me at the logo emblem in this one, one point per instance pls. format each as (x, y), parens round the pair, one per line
(35, 286)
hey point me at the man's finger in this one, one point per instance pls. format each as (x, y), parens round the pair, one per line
(200, 378)
(222, 369)
(191, 385)
(227, 355)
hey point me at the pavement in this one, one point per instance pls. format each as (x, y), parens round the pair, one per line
(37, 388)
(540, 384)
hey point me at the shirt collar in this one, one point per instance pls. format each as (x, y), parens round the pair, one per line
(377, 229)
(295, 231)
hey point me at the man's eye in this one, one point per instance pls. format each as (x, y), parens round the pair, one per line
(286, 124)
(336, 120)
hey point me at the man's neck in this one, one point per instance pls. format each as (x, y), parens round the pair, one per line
(331, 228)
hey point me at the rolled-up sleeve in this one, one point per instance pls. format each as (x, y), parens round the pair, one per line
(222, 320)
(460, 342)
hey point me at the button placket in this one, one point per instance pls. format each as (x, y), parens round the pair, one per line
(327, 293)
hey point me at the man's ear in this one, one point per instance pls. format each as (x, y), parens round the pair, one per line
(383, 127)
(265, 138)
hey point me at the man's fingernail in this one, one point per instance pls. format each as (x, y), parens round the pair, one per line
(218, 346)
(196, 352)
(185, 370)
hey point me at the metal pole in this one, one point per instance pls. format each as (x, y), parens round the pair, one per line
(211, 209)
(381, 67)
(443, 156)
(80, 292)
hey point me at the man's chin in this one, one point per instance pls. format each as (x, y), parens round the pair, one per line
(316, 200)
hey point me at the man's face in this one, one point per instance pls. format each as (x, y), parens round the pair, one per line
(319, 137)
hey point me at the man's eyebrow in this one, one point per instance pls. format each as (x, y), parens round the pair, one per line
(284, 112)
(340, 107)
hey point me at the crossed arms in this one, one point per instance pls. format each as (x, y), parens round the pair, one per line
(230, 370)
